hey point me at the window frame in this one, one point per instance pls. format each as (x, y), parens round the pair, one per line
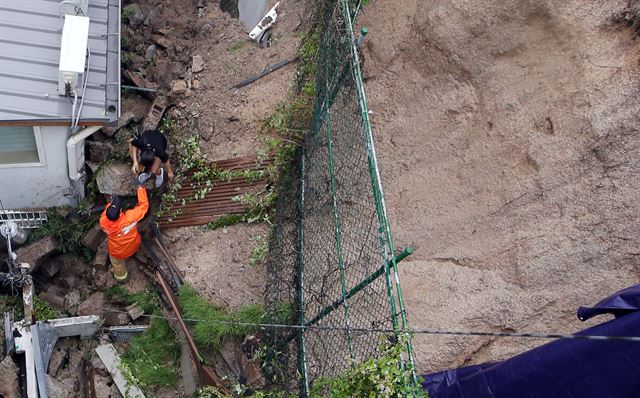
(37, 133)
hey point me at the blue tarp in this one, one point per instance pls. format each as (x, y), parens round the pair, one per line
(563, 368)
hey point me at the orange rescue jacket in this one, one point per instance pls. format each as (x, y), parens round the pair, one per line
(122, 234)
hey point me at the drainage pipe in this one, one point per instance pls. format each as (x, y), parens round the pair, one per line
(75, 152)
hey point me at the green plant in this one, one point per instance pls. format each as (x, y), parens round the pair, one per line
(43, 310)
(237, 45)
(126, 60)
(68, 231)
(215, 323)
(383, 376)
(225, 221)
(260, 250)
(152, 356)
(239, 390)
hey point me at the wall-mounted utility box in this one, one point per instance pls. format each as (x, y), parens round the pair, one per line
(73, 53)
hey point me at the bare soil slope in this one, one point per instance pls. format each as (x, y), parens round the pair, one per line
(508, 138)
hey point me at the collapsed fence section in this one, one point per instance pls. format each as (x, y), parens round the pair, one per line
(331, 254)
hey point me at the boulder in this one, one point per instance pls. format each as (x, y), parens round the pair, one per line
(55, 300)
(102, 280)
(153, 18)
(102, 253)
(116, 179)
(99, 367)
(150, 53)
(58, 359)
(34, 253)
(92, 305)
(135, 311)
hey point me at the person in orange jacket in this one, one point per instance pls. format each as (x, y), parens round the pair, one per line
(122, 231)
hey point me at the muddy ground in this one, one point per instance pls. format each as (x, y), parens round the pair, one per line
(507, 133)
(227, 121)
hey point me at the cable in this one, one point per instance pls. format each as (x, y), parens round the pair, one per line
(553, 336)
(84, 89)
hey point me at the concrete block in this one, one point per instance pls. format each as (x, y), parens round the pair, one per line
(94, 237)
(92, 305)
(111, 360)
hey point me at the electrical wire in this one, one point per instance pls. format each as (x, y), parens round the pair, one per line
(84, 89)
(415, 331)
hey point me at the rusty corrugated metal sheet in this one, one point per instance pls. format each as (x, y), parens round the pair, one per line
(217, 202)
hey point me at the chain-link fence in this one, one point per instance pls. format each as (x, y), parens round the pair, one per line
(331, 253)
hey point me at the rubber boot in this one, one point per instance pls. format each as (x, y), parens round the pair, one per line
(120, 273)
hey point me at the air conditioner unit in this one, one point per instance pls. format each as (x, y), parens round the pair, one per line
(73, 52)
(74, 7)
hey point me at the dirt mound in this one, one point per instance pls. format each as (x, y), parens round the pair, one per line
(507, 133)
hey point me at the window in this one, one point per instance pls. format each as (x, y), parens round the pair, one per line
(20, 145)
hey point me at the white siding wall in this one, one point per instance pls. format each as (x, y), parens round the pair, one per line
(39, 186)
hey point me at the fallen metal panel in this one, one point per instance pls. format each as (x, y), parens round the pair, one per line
(219, 201)
(83, 326)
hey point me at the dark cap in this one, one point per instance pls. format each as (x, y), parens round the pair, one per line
(113, 211)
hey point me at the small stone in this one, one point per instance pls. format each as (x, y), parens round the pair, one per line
(206, 28)
(135, 311)
(195, 84)
(207, 133)
(99, 367)
(182, 105)
(63, 211)
(116, 319)
(161, 41)
(91, 306)
(134, 15)
(178, 87)
(197, 64)
(150, 53)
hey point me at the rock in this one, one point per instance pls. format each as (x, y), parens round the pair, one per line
(99, 151)
(50, 296)
(137, 105)
(161, 41)
(91, 306)
(195, 84)
(154, 15)
(34, 253)
(50, 268)
(9, 378)
(135, 311)
(197, 64)
(101, 256)
(57, 389)
(150, 53)
(116, 319)
(102, 280)
(134, 15)
(72, 265)
(58, 359)
(111, 128)
(116, 179)
(99, 367)
(178, 87)
(207, 133)
(94, 237)
(206, 28)
(252, 371)
(63, 211)
(72, 299)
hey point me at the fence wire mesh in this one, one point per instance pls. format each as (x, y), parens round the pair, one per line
(331, 233)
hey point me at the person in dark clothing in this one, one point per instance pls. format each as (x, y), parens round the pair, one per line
(149, 153)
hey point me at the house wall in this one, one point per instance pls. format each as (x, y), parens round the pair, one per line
(39, 186)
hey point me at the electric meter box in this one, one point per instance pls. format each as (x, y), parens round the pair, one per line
(73, 53)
